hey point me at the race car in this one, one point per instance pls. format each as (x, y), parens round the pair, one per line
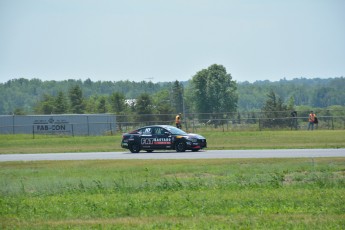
(162, 137)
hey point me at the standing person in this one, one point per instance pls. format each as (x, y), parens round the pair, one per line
(316, 122)
(178, 121)
(311, 120)
(294, 120)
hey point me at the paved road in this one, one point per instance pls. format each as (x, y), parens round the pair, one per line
(207, 154)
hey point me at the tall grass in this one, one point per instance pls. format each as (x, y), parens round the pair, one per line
(174, 194)
(216, 140)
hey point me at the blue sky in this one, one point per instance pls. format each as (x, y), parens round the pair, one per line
(137, 40)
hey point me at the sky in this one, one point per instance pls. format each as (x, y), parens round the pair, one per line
(164, 41)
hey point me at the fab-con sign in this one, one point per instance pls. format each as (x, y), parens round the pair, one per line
(51, 125)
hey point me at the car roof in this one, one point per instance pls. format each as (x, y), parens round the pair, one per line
(162, 126)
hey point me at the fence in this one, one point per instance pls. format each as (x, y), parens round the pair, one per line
(66, 124)
(278, 120)
(101, 124)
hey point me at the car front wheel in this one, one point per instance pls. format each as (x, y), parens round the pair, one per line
(180, 147)
(134, 148)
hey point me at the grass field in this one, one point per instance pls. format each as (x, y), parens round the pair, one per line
(216, 140)
(174, 194)
(304, 193)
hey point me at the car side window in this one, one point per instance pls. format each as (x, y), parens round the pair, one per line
(147, 131)
(158, 131)
(164, 132)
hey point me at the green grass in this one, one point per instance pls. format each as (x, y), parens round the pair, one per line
(276, 139)
(306, 193)
(216, 140)
(52, 144)
(302, 193)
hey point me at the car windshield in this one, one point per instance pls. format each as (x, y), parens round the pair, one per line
(175, 131)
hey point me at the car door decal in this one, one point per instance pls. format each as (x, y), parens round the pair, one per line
(147, 141)
(162, 141)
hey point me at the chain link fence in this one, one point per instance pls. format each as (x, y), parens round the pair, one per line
(109, 124)
(244, 121)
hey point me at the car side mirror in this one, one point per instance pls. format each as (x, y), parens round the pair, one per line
(167, 133)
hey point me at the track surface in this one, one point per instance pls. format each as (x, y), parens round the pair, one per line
(207, 154)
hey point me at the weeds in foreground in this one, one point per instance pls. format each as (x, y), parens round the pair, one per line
(194, 194)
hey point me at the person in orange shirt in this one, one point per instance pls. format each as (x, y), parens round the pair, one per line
(178, 121)
(311, 120)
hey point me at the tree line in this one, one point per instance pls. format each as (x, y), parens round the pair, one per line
(316, 92)
(209, 91)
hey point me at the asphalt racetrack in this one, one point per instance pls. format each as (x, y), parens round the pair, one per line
(203, 154)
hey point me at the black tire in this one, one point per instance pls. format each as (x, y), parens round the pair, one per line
(180, 147)
(134, 148)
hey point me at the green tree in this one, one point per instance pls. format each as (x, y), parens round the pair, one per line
(76, 100)
(199, 93)
(276, 113)
(60, 104)
(45, 105)
(118, 103)
(177, 97)
(102, 107)
(19, 111)
(291, 104)
(214, 92)
(144, 108)
(162, 102)
(119, 106)
(90, 104)
(322, 97)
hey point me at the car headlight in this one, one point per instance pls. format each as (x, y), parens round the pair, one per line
(192, 139)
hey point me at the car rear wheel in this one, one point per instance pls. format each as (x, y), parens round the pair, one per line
(180, 147)
(134, 148)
